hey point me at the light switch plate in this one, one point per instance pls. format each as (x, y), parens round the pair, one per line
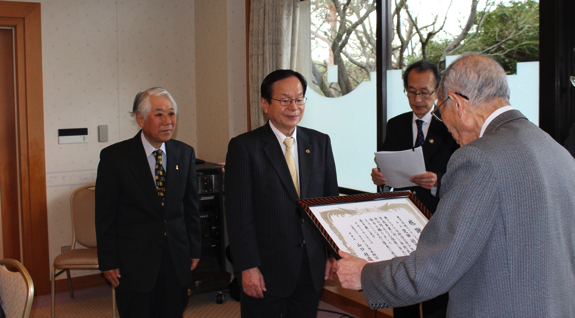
(103, 133)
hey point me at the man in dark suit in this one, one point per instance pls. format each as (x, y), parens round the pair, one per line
(414, 129)
(147, 219)
(277, 254)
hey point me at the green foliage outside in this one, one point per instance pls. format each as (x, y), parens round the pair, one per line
(508, 31)
(509, 34)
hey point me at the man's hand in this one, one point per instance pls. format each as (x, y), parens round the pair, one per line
(195, 262)
(329, 268)
(349, 270)
(425, 180)
(112, 276)
(377, 177)
(253, 283)
(223, 170)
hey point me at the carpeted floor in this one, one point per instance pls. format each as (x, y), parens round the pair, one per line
(199, 306)
(97, 302)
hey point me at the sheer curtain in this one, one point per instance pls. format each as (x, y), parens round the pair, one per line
(273, 44)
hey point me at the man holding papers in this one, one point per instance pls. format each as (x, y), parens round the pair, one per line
(501, 241)
(414, 129)
(420, 81)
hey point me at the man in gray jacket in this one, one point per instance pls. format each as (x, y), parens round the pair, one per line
(502, 240)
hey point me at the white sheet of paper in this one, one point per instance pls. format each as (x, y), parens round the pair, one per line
(398, 166)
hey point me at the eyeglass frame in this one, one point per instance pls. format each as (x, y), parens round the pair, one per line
(433, 112)
(290, 101)
(419, 94)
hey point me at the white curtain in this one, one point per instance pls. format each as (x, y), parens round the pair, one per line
(273, 45)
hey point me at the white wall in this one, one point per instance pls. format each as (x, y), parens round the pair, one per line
(96, 56)
(221, 66)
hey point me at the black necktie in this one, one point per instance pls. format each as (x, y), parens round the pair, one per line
(160, 175)
(420, 138)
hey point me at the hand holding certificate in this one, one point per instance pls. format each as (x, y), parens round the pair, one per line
(374, 227)
(398, 166)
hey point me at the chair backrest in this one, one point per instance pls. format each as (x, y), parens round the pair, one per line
(83, 206)
(17, 290)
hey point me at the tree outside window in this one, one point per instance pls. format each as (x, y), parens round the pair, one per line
(343, 35)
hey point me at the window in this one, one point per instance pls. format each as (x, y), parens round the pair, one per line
(343, 95)
(440, 30)
(342, 99)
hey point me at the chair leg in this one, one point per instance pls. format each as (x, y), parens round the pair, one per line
(70, 283)
(53, 278)
(114, 301)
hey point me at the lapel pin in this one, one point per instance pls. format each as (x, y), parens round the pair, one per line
(307, 151)
(176, 167)
(431, 141)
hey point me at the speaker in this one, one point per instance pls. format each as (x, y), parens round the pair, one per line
(210, 274)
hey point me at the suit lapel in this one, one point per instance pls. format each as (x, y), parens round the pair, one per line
(172, 175)
(140, 170)
(433, 140)
(407, 137)
(304, 156)
(277, 159)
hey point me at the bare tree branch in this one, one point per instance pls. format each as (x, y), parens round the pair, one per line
(318, 80)
(470, 21)
(484, 15)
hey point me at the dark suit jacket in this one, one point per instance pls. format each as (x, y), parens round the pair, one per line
(266, 229)
(130, 220)
(437, 149)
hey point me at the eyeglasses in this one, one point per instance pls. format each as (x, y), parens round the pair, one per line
(424, 95)
(300, 101)
(437, 113)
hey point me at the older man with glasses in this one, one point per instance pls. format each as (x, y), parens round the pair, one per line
(278, 256)
(414, 129)
(502, 239)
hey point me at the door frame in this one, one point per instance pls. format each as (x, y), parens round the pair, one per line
(557, 64)
(25, 18)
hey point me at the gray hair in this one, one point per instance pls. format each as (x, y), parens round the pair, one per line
(478, 77)
(142, 101)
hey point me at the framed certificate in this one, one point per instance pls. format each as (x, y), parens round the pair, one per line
(373, 226)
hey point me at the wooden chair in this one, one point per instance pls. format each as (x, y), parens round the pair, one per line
(17, 289)
(83, 207)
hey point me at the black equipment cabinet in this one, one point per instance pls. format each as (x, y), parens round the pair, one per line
(210, 274)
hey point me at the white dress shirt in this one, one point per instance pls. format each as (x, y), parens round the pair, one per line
(149, 149)
(425, 127)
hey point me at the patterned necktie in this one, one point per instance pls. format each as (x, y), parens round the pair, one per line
(160, 175)
(291, 162)
(420, 138)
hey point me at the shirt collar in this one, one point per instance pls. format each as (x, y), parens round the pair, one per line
(426, 118)
(148, 148)
(491, 117)
(280, 136)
